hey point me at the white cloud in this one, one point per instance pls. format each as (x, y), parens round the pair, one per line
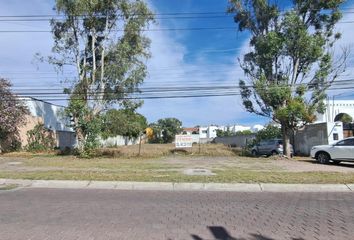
(170, 66)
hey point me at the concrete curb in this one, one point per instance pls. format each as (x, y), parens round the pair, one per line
(168, 186)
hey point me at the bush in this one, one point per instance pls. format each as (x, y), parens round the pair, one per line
(269, 132)
(40, 139)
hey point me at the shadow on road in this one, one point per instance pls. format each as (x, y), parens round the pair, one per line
(220, 233)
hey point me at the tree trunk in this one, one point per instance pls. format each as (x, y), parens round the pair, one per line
(286, 141)
(80, 139)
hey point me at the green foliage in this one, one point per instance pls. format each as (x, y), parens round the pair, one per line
(124, 122)
(86, 125)
(109, 66)
(290, 57)
(343, 117)
(165, 130)
(221, 133)
(244, 133)
(40, 139)
(269, 132)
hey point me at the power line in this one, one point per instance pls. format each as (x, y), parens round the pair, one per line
(143, 30)
(343, 10)
(172, 86)
(148, 30)
(342, 84)
(24, 98)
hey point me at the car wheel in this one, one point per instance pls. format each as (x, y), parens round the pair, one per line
(274, 153)
(254, 153)
(336, 162)
(323, 158)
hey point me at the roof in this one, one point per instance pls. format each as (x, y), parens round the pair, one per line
(191, 129)
(40, 100)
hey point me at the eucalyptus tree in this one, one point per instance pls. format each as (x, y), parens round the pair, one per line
(105, 43)
(291, 62)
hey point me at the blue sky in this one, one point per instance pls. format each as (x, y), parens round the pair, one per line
(179, 58)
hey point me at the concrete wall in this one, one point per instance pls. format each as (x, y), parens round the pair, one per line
(316, 134)
(118, 141)
(63, 138)
(235, 141)
(29, 124)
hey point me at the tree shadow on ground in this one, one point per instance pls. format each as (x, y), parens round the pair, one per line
(220, 233)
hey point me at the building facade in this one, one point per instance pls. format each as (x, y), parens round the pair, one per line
(53, 118)
(334, 109)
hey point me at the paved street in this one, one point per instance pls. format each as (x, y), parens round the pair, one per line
(111, 214)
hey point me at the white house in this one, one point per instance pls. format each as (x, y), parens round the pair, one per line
(334, 109)
(208, 132)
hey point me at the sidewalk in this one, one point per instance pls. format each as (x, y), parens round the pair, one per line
(168, 186)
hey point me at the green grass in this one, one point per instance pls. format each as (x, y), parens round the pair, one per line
(8, 187)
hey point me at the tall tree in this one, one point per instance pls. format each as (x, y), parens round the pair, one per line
(291, 63)
(104, 41)
(12, 114)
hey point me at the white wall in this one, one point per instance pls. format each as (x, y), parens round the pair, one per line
(53, 115)
(335, 108)
(212, 131)
(334, 129)
(203, 132)
(316, 134)
(117, 141)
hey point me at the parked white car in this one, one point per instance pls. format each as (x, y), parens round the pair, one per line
(340, 151)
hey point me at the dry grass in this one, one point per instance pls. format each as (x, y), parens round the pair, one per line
(220, 160)
(147, 151)
(159, 150)
(226, 176)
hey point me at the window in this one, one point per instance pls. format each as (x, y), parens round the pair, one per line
(204, 131)
(335, 136)
(347, 142)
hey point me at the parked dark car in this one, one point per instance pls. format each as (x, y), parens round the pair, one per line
(270, 147)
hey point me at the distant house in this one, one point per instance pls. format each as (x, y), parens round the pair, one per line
(208, 132)
(190, 131)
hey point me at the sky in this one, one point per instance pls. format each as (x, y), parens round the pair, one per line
(179, 58)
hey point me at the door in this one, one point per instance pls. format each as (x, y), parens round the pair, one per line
(262, 147)
(343, 149)
(270, 147)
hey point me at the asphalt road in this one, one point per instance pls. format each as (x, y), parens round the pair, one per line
(113, 214)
